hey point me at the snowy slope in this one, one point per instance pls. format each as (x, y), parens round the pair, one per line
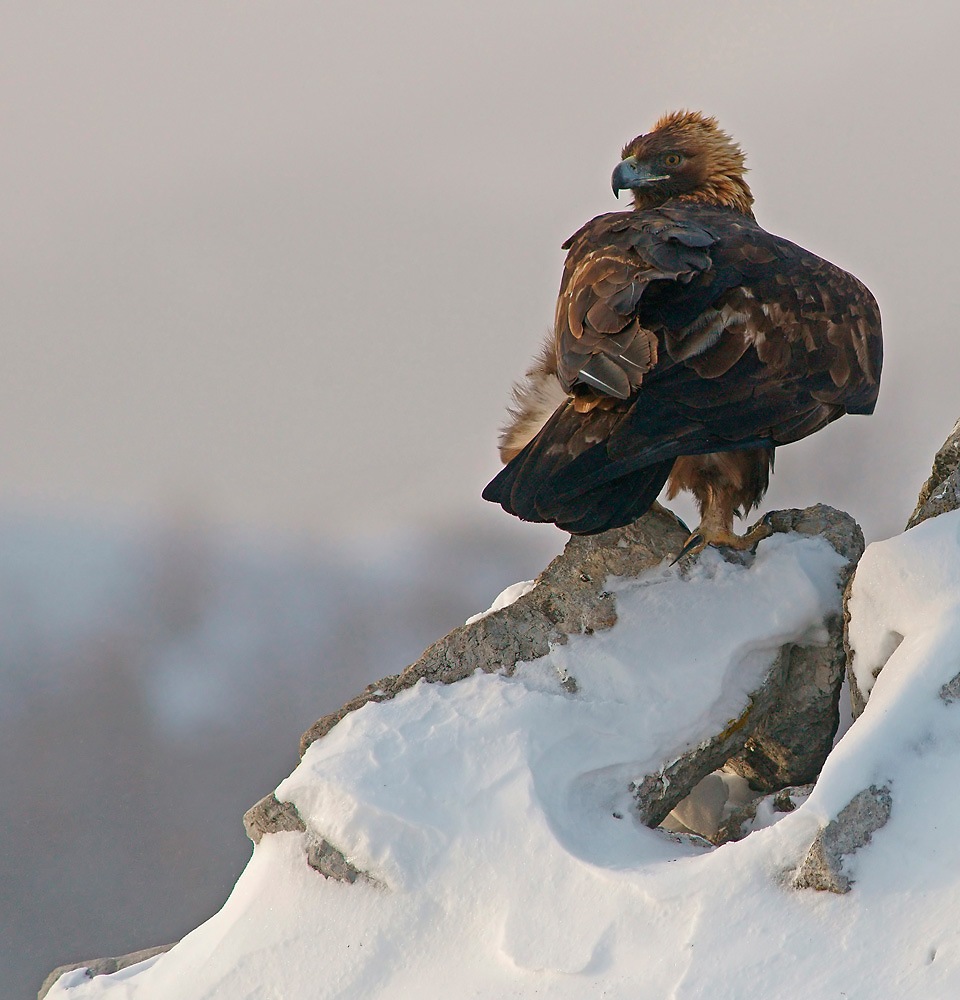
(492, 817)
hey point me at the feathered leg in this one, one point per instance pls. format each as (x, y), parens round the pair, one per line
(723, 483)
(716, 528)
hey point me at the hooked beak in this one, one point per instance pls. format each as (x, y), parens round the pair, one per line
(632, 174)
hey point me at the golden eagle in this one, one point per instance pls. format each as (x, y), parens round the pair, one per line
(688, 344)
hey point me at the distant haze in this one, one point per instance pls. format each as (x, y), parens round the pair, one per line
(280, 262)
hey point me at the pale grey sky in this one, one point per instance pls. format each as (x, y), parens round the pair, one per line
(280, 261)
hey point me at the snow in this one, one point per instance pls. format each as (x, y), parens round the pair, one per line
(904, 586)
(505, 598)
(493, 816)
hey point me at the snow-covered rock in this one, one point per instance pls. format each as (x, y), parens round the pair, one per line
(102, 966)
(786, 722)
(939, 495)
(494, 825)
(480, 838)
(855, 824)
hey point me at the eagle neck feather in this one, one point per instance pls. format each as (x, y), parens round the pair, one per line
(717, 192)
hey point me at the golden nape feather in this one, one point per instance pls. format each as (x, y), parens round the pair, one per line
(688, 344)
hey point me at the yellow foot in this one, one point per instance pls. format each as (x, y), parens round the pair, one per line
(703, 537)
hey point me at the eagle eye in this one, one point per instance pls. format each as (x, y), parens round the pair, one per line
(672, 160)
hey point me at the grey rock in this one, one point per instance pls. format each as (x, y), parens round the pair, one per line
(331, 862)
(737, 824)
(568, 599)
(271, 816)
(786, 731)
(822, 868)
(944, 498)
(102, 966)
(793, 737)
(941, 492)
(792, 741)
(950, 692)
(836, 526)
(858, 700)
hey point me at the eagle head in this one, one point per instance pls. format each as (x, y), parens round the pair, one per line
(687, 156)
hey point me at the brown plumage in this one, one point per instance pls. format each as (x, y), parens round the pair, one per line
(688, 344)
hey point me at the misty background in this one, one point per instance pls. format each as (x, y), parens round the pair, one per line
(268, 272)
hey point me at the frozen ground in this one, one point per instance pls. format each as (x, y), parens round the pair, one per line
(493, 820)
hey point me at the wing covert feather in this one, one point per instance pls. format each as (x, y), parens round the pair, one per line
(686, 298)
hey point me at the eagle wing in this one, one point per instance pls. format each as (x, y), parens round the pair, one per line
(685, 330)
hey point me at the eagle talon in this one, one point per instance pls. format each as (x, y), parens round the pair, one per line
(699, 540)
(695, 543)
(756, 535)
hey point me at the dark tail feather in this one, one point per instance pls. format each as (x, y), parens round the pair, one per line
(609, 505)
(499, 489)
(566, 475)
(528, 488)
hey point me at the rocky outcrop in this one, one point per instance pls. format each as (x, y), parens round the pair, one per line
(792, 740)
(101, 966)
(271, 816)
(941, 491)
(330, 862)
(822, 868)
(785, 733)
(780, 740)
(950, 692)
